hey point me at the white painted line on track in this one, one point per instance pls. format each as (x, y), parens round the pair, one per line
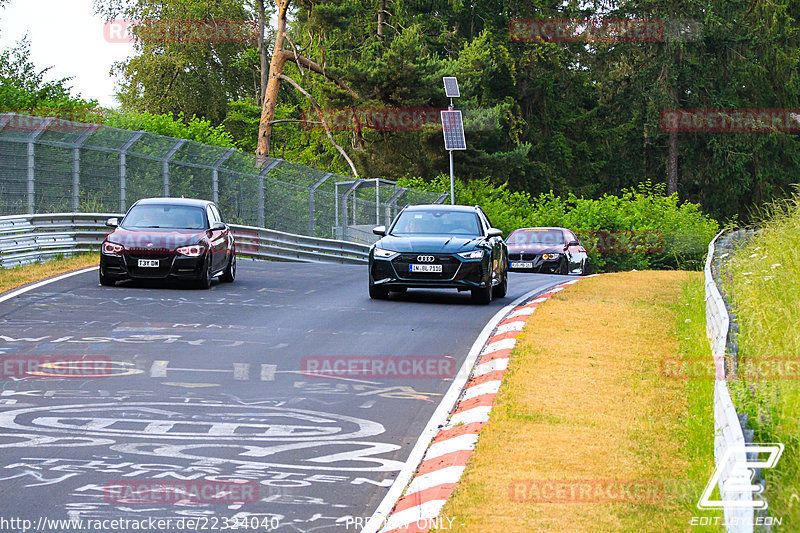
(159, 369)
(268, 372)
(439, 417)
(42, 283)
(241, 371)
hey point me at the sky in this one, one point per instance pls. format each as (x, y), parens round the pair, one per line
(66, 35)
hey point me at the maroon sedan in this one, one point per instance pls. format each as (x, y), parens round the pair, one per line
(176, 238)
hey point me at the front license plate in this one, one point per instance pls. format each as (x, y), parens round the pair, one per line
(148, 263)
(521, 265)
(424, 268)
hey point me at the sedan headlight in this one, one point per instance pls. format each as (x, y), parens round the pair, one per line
(112, 248)
(473, 254)
(194, 250)
(550, 257)
(380, 253)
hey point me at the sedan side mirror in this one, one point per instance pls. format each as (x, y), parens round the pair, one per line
(112, 222)
(219, 226)
(574, 243)
(379, 230)
(494, 232)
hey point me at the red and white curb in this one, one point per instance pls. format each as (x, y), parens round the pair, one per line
(417, 508)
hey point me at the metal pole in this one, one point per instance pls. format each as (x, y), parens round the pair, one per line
(336, 204)
(377, 201)
(123, 170)
(215, 174)
(167, 158)
(261, 175)
(32, 163)
(311, 201)
(392, 203)
(76, 165)
(76, 178)
(356, 184)
(31, 188)
(452, 187)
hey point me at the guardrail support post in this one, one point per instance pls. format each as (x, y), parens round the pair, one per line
(311, 204)
(261, 175)
(32, 163)
(167, 158)
(215, 174)
(123, 170)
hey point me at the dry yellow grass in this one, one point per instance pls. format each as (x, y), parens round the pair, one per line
(584, 400)
(12, 278)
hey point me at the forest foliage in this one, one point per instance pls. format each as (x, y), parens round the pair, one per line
(578, 118)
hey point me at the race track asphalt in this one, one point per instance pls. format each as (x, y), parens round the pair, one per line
(110, 391)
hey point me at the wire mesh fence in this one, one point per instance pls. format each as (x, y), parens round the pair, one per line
(51, 165)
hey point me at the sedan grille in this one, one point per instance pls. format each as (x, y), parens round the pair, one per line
(161, 271)
(523, 256)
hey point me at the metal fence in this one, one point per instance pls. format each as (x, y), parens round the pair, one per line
(50, 165)
(730, 435)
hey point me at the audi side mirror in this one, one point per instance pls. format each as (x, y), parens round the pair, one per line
(494, 232)
(112, 222)
(379, 230)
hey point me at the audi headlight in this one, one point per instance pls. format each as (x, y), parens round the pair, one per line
(380, 253)
(194, 250)
(112, 248)
(473, 254)
(550, 257)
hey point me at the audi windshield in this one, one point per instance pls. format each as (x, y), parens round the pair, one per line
(436, 223)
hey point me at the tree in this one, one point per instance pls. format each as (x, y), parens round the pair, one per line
(176, 71)
(280, 55)
(23, 88)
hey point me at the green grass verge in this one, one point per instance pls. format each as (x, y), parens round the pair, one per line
(697, 424)
(588, 396)
(13, 278)
(764, 280)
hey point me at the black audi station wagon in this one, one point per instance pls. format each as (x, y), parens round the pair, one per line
(439, 246)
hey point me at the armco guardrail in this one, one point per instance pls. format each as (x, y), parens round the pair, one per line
(30, 238)
(727, 427)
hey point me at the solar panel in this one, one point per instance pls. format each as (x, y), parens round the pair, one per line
(451, 87)
(453, 129)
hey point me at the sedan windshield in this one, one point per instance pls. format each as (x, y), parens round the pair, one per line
(437, 223)
(533, 236)
(165, 216)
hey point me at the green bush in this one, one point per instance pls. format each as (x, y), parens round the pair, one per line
(194, 129)
(639, 229)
